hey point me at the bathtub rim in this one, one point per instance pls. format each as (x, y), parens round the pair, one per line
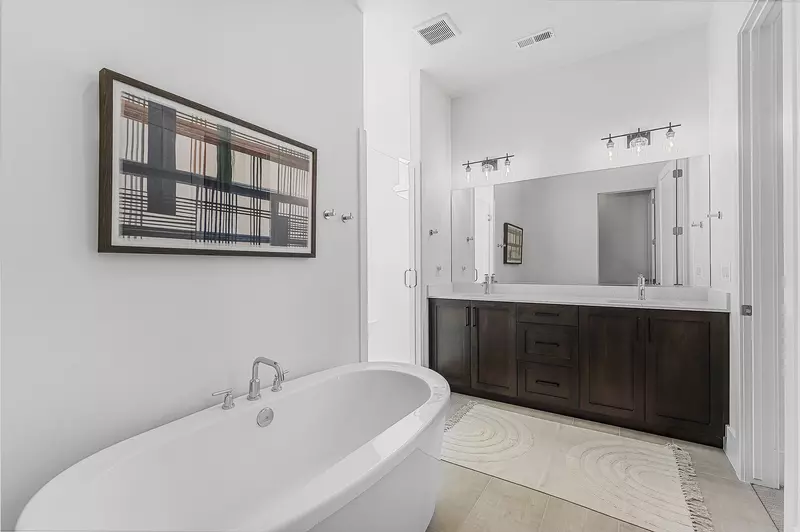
(324, 494)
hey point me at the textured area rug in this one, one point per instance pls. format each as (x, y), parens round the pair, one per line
(773, 502)
(648, 485)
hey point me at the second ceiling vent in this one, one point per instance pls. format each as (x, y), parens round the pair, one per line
(536, 38)
(438, 29)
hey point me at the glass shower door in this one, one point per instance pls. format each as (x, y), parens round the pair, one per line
(391, 277)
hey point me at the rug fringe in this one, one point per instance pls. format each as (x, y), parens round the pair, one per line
(461, 412)
(698, 512)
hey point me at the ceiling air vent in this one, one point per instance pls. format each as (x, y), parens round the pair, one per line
(536, 38)
(438, 29)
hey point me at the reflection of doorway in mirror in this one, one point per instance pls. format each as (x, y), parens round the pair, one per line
(626, 236)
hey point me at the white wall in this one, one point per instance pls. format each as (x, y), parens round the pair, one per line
(726, 20)
(387, 83)
(559, 220)
(97, 348)
(553, 120)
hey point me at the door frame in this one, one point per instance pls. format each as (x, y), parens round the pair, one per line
(791, 242)
(760, 267)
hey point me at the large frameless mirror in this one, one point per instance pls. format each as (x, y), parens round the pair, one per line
(604, 227)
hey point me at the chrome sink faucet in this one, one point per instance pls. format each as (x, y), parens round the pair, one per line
(487, 286)
(640, 285)
(255, 383)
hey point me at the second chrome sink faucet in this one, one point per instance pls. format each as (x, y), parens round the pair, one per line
(255, 383)
(640, 285)
(487, 283)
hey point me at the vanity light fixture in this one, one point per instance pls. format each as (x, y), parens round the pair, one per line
(639, 140)
(489, 165)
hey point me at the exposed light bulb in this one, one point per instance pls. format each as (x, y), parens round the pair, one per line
(487, 167)
(638, 143)
(670, 144)
(610, 148)
(469, 173)
(508, 166)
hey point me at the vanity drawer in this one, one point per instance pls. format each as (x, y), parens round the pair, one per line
(547, 314)
(547, 344)
(543, 383)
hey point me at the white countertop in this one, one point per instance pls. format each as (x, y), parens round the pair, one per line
(659, 298)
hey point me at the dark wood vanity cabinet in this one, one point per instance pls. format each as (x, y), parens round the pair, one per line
(450, 341)
(494, 348)
(612, 362)
(473, 345)
(663, 371)
(687, 372)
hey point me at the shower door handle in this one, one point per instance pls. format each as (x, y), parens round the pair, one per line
(405, 278)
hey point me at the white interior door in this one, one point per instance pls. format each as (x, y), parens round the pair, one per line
(391, 274)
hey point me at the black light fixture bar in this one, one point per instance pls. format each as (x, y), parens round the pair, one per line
(489, 160)
(641, 132)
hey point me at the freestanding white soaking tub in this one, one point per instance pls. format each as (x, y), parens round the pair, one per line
(351, 449)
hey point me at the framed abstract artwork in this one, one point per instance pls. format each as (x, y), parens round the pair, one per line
(512, 244)
(179, 177)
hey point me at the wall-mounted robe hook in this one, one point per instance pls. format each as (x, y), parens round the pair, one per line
(328, 214)
(347, 217)
(433, 232)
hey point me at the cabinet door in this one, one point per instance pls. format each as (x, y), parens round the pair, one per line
(494, 364)
(687, 373)
(450, 340)
(612, 362)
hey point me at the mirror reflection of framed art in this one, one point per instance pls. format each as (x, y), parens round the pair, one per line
(512, 244)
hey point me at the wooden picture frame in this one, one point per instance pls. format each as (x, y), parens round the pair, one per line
(158, 192)
(512, 244)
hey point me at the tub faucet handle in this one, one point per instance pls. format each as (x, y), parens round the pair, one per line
(277, 383)
(227, 401)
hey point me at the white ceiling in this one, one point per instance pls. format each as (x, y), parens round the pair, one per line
(484, 53)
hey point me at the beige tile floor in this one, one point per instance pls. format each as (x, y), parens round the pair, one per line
(474, 502)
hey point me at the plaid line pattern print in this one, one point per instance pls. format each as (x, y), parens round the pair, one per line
(183, 177)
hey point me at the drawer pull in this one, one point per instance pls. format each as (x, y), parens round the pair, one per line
(548, 383)
(546, 314)
(553, 344)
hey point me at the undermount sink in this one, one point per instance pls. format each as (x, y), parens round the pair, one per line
(630, 301)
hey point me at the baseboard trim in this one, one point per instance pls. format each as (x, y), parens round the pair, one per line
(731, 447)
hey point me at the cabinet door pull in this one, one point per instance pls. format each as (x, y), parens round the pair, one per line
(553, 344)
(467, 315)
(649, 330)
(548, 383)
(546, 314)
(638, 329)
(474, 316)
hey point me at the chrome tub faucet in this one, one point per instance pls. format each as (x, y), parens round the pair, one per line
(255, 383)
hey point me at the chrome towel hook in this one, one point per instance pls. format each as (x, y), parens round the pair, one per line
(347, 217)
(328, 214)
